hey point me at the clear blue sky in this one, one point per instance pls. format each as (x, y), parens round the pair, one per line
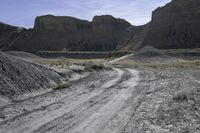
(23, 12)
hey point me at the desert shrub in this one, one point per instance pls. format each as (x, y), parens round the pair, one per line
(96, 67)
(180, 97)
(63, 85)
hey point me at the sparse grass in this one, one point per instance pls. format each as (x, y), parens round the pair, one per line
(64, 85)
(82, 54)
(96, 67)
(67, 62)
(85, 52)
(87, 64)
(180, 50)
(89, 67)
(180, 64)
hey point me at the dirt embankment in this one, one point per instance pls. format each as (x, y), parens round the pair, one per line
(19, 77)
(22, 54)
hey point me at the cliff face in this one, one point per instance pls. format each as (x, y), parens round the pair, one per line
(7, 35)
(108, 24)
(175, 25)
(134, 39)
(67, 33)
(60, 24)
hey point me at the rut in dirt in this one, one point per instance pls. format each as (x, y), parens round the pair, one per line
(98, 103)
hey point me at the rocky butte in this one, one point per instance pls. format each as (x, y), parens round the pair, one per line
(175, 25)
(8, 34)
(104, 33)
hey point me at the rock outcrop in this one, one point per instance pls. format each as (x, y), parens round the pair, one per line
(104, 33)
(60, 24)
(19, 77)
(175, 25)
(8, 34)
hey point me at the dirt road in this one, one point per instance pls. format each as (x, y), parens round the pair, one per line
(101, 102)
(116, 101)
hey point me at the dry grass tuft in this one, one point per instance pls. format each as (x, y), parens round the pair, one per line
(178, 64)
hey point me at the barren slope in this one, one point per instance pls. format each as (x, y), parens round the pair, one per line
(18, 77)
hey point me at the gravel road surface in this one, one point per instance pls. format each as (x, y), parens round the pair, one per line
(101, 102)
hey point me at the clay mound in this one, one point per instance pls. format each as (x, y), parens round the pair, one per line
(19, 77)
(151, 54)
(149, 51)
(23, 55)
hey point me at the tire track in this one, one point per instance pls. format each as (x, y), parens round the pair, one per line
(98, 120)
(40, 101)
(84, 111)
(34, 121)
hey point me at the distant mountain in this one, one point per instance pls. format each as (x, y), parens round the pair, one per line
(176, 25)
